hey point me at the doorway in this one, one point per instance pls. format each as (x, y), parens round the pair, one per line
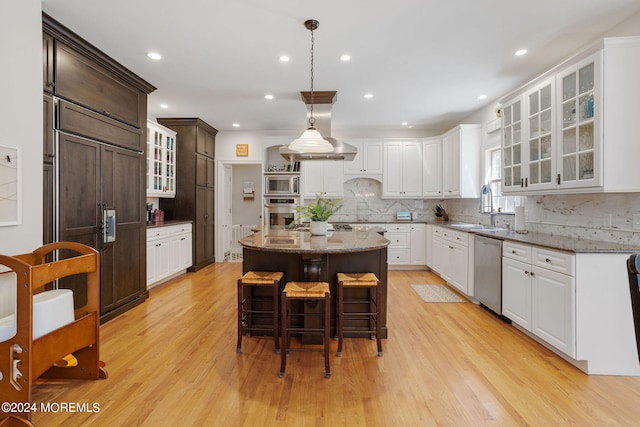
(239, 201)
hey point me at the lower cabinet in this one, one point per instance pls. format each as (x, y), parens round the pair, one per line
(169, 252)
(538, 293)
(450, 256)
(399, 251)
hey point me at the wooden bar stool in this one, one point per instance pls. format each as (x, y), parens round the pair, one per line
(305, 291)
(359, 280)
(246, 311)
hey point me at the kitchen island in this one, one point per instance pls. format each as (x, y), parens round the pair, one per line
(303, 257)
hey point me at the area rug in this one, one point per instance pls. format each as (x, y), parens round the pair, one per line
(436, 293)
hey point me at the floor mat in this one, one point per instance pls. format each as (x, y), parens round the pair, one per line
(436, 293)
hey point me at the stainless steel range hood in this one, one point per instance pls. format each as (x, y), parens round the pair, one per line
(323, 101)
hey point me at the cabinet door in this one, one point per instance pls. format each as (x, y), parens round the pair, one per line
(392, 169)
(451, 164)
(439, 249)
(418, 244)
(201, 170)
(579, 149)
(458, 267)
(516, 292)
(47, 128)
(372, 157)
(205, 142)
(47, 62)
(312, 178)
(356, 166)
(332, 178)
(155, 156)
(151, 263)
(512, 135)
(540, 142)
(81, 80)
(553, 305)
(412, 169)
(432, 168)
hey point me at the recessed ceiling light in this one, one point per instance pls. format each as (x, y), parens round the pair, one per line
(483, 96)
(521, 52)
(268, 96)
(236, 125)
(285, 58)
(345, 58)
(154, 55)
(368, 95)
(405, 123)
(165, 106)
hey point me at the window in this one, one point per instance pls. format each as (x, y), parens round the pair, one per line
(493, 168)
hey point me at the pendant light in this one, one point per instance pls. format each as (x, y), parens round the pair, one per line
(311, 141)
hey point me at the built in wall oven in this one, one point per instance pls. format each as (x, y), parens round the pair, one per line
(280, 212)
(282, 184)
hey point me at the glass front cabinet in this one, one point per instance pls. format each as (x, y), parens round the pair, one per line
(576, 128)
(161, 161)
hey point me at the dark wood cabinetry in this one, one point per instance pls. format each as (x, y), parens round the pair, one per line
(194, 199)
(97, 116)
(47, 62)
(47, 168)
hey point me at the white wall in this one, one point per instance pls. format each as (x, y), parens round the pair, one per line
(21, 115)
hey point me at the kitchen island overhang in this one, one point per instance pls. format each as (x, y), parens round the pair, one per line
(303, 257)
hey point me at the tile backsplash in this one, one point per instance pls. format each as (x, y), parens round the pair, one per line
(605, 217)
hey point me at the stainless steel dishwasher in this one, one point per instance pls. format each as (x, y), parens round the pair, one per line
(487, 270)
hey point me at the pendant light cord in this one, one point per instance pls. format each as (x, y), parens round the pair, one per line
(312, 120)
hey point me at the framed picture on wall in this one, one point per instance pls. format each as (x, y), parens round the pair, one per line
(10, 188)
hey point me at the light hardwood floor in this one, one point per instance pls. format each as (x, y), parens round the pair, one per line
(172, 362)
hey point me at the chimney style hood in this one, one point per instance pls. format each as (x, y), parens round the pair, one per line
(322, 103)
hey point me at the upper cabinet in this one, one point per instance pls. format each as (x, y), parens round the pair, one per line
(367, 163)
(432, 167)
(78, 77)
(322, 177)
(575, 129)
(161, 155)
(402, 169)
(461, 162)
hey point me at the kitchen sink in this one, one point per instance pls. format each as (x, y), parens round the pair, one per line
(472, 227)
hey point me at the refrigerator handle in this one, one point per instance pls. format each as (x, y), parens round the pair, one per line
(108, 225)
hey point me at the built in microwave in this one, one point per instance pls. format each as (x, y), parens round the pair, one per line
(281, 184)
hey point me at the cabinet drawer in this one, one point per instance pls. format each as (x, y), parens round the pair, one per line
(399, 228)
(84, 122)
(399, 256)
(157, 233)
(81, 80)
(449, 235)
(562, 262)
(398, 240)
(516, 251)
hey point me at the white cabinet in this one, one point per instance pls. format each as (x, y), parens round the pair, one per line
(461, 162)
(322, 177)
(538, 293)
(169, 252)
(367, 162)
(418, 244)
(432, 167)
(450, 256)
(399, 249)
(161, 158)
(575, 128)
(402, 169)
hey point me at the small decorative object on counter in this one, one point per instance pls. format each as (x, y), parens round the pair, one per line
(441, 214)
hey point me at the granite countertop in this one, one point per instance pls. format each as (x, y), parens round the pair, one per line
(167, 223)
(357, 240)
(569, 244)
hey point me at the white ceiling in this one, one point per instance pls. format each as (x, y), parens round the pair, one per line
(424, 60)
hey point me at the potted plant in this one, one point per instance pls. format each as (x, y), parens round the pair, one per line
(318, 213)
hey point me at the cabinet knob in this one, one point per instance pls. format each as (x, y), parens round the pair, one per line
(547, 260)
(532, 274)
(526, 272)
(513, 252)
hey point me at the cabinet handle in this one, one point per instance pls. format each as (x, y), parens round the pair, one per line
(526, 272)
(532, 274)
(558, 179)
(521, 182)
(513, 252)
(107, 113)
(526, 182)
(547, 260)
(184, 238)
(450, 247)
